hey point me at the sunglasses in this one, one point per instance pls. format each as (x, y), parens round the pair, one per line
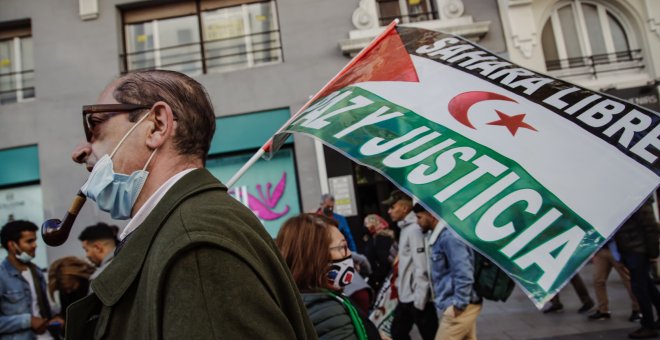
(93, 115)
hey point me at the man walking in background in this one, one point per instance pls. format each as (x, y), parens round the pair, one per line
(413, 284)
(606, 258)
(637, 241)
(99, 242)
(327, 209)
(452, 274)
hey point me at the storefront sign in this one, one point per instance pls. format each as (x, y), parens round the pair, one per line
(342, 189)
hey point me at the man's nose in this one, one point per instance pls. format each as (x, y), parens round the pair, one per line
(81, 152)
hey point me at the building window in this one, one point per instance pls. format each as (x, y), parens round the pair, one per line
(405, 10)
(16, 62)
(202, 37)
(587, 37)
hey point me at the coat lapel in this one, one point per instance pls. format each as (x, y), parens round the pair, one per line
(113, 282)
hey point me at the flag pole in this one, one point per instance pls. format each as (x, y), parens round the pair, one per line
(267, 146)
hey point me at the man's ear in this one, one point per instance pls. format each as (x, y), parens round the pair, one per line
(12, 246)
(97, 246)
(162, 125)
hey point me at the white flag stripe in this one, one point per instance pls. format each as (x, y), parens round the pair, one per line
(596, 180)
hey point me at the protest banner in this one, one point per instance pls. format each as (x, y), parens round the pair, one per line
(531, 171)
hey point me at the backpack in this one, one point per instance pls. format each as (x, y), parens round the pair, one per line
(491, 282)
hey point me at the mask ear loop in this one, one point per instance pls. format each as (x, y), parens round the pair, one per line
(149, 160)
(128, 134)
(18, 248)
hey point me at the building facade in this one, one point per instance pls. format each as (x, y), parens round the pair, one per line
(607, 46)
(260, 62)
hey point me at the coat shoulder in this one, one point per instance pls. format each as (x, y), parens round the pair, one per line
(330, 319)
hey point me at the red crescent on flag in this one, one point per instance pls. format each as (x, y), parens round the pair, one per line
(460, 105)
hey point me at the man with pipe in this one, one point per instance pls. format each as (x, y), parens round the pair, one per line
(193, 263)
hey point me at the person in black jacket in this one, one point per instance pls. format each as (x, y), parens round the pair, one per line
(637, 241)
(319, 258)
(378, 241)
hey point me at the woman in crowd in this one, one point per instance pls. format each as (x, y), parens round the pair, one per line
(320, 261)
(378, 241)
(69, 276)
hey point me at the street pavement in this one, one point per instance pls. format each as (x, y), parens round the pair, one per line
(518, 318)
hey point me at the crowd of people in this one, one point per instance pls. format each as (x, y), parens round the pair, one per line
(431, 269)
(193, 262)
(33, 304)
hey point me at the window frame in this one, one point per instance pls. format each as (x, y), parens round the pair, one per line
(15, 33)
(583, 37)
(404, 15)
(200, 10)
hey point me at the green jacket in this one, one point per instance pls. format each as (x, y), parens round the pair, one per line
(200, 266)
(329, 317)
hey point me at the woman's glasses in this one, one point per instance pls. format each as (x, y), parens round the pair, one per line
(343, 249)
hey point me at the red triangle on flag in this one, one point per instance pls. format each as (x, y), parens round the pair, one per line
(387, 60)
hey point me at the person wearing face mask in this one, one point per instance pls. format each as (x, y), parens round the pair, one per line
(192, 262)
(25, 312)
(321, 264)
(327, 209)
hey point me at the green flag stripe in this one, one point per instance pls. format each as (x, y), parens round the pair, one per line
(487, 198)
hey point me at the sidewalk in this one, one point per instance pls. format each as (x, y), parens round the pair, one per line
(518, 318)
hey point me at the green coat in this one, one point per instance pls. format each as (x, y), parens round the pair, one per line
(200, 266)
(331, 320)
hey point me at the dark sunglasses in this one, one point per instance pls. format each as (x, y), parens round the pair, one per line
(105, 111)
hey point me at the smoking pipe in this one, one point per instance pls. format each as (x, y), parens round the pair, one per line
(55, 232)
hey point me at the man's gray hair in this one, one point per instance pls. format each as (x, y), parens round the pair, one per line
(326, 196)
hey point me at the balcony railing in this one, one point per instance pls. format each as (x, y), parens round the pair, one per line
(597, 64)
(209, 56)
(16, 86)
(410, 17)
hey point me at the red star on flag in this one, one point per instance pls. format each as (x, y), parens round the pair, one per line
(513, 123)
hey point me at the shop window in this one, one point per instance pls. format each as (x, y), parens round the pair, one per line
(20, 193)
(587, 37)
(202, 37)
(268, 188)
(16, 62)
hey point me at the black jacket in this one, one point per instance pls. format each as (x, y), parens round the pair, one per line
(377, 251)
(639, 234)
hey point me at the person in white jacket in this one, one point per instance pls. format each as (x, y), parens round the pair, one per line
(413, 284)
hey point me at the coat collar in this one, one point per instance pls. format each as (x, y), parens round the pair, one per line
(10, 268)
(411, 218)
(439, 227)
(113, 282)
(15, 272)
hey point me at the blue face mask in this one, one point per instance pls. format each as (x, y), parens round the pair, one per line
(113, 192)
